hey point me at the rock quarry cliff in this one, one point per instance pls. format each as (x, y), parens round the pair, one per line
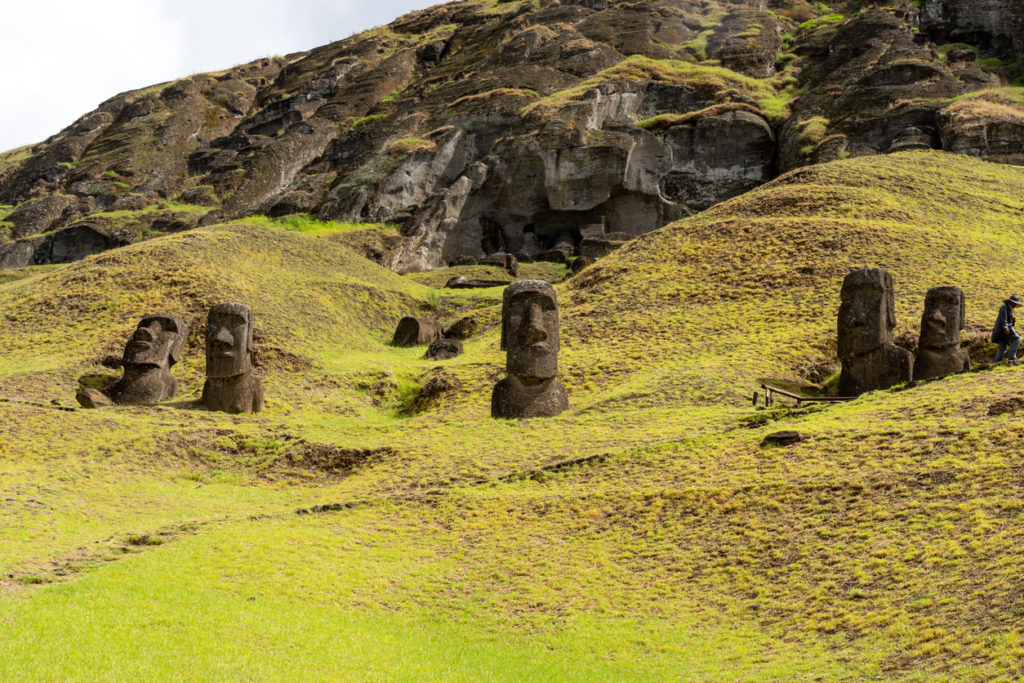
(483, 127)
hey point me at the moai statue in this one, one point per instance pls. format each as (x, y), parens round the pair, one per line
(866, 319)
(153, 348)
(939, 351)
(529, 335)
(231, 386)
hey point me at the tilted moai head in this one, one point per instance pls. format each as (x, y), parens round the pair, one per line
(867, 313)
(228, 341)
(158, 341)
(529, 329)
(944, 316)
(153, 348)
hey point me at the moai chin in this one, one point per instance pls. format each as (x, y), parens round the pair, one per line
(939, 351)
(866, 320)
(231, 386)
(529, 335)
(153, 348)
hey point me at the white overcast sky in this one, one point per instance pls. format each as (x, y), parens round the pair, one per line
(61, 58)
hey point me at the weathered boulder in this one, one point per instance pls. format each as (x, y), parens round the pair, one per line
(39, 215)
(597, 248)
(444, 349)
(462, 329)
(717, 157)
(416, 331)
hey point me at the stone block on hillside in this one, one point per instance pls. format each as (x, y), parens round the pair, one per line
(416, 331)
(444, 349)
(597, 248)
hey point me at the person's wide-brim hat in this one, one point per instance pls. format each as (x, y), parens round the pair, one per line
(1015, 300)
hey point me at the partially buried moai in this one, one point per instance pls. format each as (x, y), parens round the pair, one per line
(867, 317)
(529, 335)
(939, 351)
(231, 386)
(153, 348)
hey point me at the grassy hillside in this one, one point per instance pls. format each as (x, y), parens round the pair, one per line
(644, 533)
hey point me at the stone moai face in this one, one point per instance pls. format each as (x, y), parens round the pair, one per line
(529, 329)
(944, 317)
(228, 341)
(158, 341)
(867, 312)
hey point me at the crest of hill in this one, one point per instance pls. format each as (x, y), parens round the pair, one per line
(701, 309)
(890, 537)
(309, 292)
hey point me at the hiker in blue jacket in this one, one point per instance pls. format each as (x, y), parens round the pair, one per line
(1003, 332)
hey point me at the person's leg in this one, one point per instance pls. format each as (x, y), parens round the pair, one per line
(1001, 351)
(1014, 345)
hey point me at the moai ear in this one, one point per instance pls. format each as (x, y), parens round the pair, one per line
(890, 302)
(249, 343)
(178, 347)
(963, 310)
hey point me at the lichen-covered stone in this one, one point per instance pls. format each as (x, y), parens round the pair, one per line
(416, 331)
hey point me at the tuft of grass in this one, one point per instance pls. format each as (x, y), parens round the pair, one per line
(661, 121)
(367, 120)
(716, 81)
(410, 145)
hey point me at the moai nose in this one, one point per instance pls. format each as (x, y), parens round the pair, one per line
(535, 331)
(223, 337)
(144, 333)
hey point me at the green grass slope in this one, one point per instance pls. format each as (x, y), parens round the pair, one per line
(644, 533)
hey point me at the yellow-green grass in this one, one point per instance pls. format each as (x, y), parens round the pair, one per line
(701, 77)
(13, 157)
(885, 545)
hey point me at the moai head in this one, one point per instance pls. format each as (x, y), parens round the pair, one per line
(944, 317)
(228, 341)
(529, 329)
(158, 341)
(867, 313)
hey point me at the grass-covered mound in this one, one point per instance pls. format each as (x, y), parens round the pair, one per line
(644, 533)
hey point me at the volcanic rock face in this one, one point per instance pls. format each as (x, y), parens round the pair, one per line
(484, 129)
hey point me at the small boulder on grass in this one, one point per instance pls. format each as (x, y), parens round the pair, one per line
(444, 349)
